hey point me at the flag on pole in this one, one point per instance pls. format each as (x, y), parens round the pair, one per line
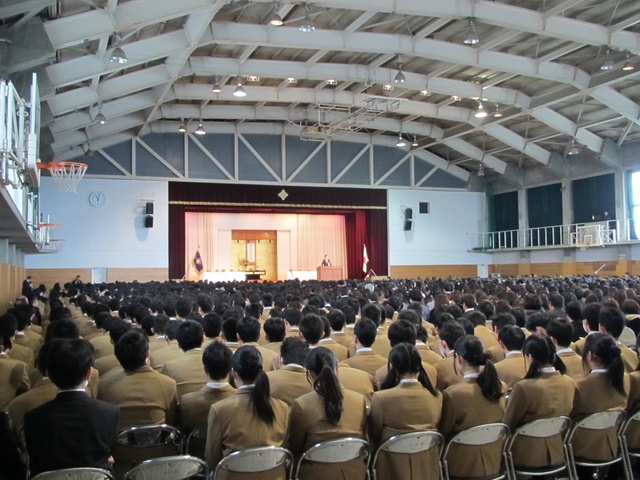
(365, 259)
(197, 263)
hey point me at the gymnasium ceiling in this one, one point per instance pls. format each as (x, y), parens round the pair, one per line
(537, 63)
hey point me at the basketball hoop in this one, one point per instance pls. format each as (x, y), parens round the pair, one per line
(66, 174)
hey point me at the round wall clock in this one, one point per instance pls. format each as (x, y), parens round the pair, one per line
(97, 199)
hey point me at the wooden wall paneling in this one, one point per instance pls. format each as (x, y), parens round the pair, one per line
(50, 276)
(428, 271)
(137, 274)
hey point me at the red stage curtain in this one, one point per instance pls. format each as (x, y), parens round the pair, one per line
(364, 210)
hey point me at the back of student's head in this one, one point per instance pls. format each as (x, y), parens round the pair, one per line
(337, 319)
(189, 335)
(450, 332)
(294, 350)
(612, 320)
(275, 329)
(132, 349)
(476, 317)
(405, 359)
(8, 325)
(538, 320)
(574, 310)
(247, 364)
(501, 320)
(253, 310)
(591, 313)
(229, 329)
(63, 328)
(366, 331)
(216, 359)
(402, 331)
(117, 331)
(512, 337)
(248, 329)
(373, 312)
(471, 350)
(292, 316)
(487, 308)
(603, 348)
(322, 363)
(561, 331)
(69, 362)
(212, 324)
(411, 316)
(312, 328)
(183, 307)
(542, 351)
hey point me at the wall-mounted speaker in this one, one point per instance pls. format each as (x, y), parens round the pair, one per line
(148, 221)
(407, 225)
(408, 213)
(149, 208)
(424, 207)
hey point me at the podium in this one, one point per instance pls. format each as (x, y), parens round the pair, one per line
(329, 273)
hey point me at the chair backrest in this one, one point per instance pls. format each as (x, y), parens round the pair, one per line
(339, 450)
(633, 418)
(149, 436)
(482, 434)
(76, 474)
(177, 467)
(410, 443)
(253, 460)
(598, 421)
(196, 442)
(544, 428)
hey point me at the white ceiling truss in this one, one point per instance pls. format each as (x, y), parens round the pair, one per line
(537, 64)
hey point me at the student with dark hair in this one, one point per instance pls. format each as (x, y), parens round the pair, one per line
(365, 358)
(14, 374)
(338, 320)
(186, 369)
(605, 388)
(72, 430)
(590, 324)
(212, 326)
(573, 310)
(544, 393)
(537, 322)
(109, 362)
(251, 417)
(230, 332)
(145, 396)
(407, 402)
(512, 368)
(194, 406)
(171, 350)
(290, 380)
(8, 330)
(341, 353)
(449, 334)
(477, 399)
(275, 331)
(292, 317)
(327, 412)
(560, 332)
(248, 329)
(611, 320)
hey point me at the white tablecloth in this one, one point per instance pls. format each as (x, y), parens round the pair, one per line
(302, 274)
(224, 277)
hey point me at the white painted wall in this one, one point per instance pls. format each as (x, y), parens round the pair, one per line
(111, 236)
(445, 236)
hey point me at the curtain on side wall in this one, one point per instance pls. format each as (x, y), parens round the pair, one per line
(592, 197)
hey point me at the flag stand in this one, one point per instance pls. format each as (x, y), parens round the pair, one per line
(371, 274)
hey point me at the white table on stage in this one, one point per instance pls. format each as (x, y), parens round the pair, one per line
(302, 275)
(224, 277)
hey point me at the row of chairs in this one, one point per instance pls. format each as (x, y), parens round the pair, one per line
(254, 460)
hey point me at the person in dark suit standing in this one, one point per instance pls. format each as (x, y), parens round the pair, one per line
(326, 262)
(72, 430)
(27, 288)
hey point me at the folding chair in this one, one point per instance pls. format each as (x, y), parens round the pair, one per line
(196, 442)
(410, 444)
(137, 444)
(255, 460)
(478, 437)
(627, 450)
(539, 429)
(341, 450)
(588, 426)
(76, 474)
(177, 467)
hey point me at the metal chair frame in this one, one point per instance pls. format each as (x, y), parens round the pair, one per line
(249, 460)
(161, 468)
(543, 428)
(409, 443)
(85, 473)
(314, 453)
(479, 435)
(199, 433)
(597, 421)
(626, 451)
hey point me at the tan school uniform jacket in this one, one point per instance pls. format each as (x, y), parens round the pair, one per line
(342, 338)
(408, 407)
(447, 374)
(550, 395)
(463, 407)
(633, 405)
(341, 353)
(289, 383)
(195, 406)
(486, 337)
(511, 369)
(573, 362)
(160, 357)
(269, 357)
(366, 360)
(14, 379)
(382, 372)
(40, 394)
(188, 372)
(427, 355)
(357, 381)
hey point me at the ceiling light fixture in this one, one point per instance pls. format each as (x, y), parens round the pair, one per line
(455, 98)
(253, 78)
(608, 63)
(498, 112)
(331, 81)
(276, 19)
(481, 172)
(425, 92)
(472, 37)
(574, 149)
(307, 24)
(481, 112)
(216, 86)
(628, 66)
(387, 87)
(100, 118)
(117, 55)
(182, 128)
(200, 130)
(399, 78)
(239, 91)
(292, 80)
(401, 142)
(414, 143)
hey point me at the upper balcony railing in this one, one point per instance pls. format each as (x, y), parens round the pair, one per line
(576, 235)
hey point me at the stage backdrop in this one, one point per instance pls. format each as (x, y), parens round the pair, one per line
(364, 212)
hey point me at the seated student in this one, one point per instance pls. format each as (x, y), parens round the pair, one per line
(544, 393)
(449, 333)
(251, 417)
(212, 326)
(605, 388)
(574, 310)
(326, 341)
(560, 331)
(187, 369)
(8, 330)
(194, 406)
(422, 337)
(14, 374)
(109, 362)
(537, 322)
(292, 317)
(476, 400)
(512, 369)
(72, 430)
(406, 389)
(160, 356)
(611, 320)
(248, 330)
(274, 331)
(480, 329)
(159, 340)
(590, 324)
(314, 330)
(365, 358)
(338, 320)
(145, 396)
(496, 354)
(328, 412)
(290, 380)
(230, 332)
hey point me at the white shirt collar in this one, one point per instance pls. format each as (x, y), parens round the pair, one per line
(547, 369)
(409, 380)
(364, 349)
(246, 387)
(294, 365)
(217, 384)
(511, 353)
(471, 375)
(599, 370)
(565, 350)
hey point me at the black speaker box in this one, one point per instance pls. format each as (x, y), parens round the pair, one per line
(148, 221)
(407, 225)
(408, 213)
(149, 208)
